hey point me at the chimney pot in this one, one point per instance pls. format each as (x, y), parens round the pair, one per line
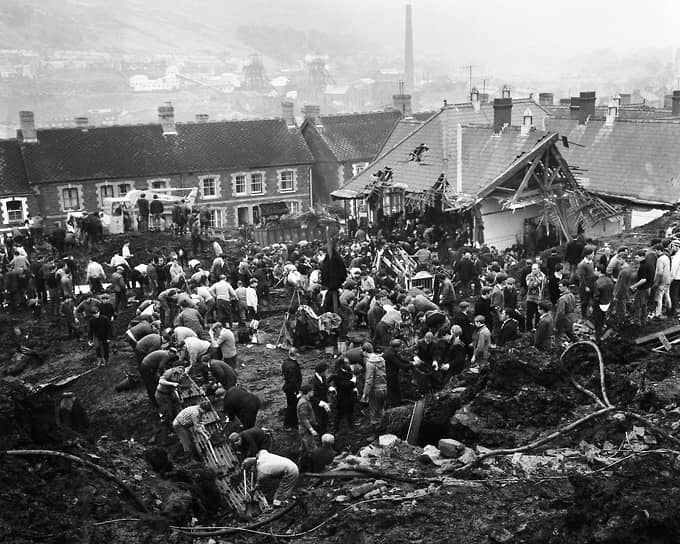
(402, 103)
(527, 121)
(474, 98)
(625, 99)
(502, 114)
(676, 103)
(586, 106)
(202, 117)
(27, 126)
(166, 116)
(288, 113)
(505, 93)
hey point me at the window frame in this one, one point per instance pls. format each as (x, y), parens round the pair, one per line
(290, 206)
(20, 210)
(252, 182)
(157, 181)
(70, 190)
(237, 177)
(120, 192)
(216, 189)
(279, 180)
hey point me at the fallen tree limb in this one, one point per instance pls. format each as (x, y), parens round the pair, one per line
(365, 472)
(535, 444)
(220, 531)
(84, 462)
(603, 388)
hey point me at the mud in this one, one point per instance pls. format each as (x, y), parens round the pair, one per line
(523, 395)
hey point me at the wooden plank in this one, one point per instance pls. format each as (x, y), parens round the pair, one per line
(525, 180)
(655, 335)
(416, 420)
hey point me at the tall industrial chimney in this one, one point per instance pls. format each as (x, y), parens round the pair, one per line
(409, 68)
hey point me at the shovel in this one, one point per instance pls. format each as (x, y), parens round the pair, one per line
(250, 505)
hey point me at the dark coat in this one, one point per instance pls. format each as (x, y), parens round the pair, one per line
(333, 271)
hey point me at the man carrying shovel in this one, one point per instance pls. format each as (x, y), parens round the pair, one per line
(269, 465)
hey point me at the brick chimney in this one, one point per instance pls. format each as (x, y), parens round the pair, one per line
(27, 127)
(166, 116)
(312, 112)
(202, 118)
(546, 99)
(625, 99)
(574, 107)
(502, 114)
(612, 114)
(288, 113)
(676, 103)
(81, 121)
(402, 103)
(586, 107)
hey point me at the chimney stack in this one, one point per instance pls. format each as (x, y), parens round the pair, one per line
(546, 99)
(27, 127)
(502, 114)
(409, 66)
(667, 101)
(574, 107)
(474, 98)
(288, 113)
(312, 112)
(625, 99)
(586, 107)
(676, 103)
(202, 117)
(612, 114)
(527, 122)
(166, 116)
(81, 121)
(402, 102)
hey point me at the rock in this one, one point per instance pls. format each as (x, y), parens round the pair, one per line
(361, 490)
(388, 440)
(450, 448)
(501, 535)
(468, 456)
(431, 455)
(374, 493)
(341, 498)
(370, 451)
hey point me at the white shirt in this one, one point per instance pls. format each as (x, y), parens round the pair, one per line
(125, 252)
(95, 270)
(270, 464)
(118, 260)
(251, 298)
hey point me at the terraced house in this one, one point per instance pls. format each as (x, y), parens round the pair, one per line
(239, 167)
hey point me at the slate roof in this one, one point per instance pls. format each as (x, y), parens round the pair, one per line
(141, 150)
(635, 160)
(484, 155)
(357, 136)
(13, 180)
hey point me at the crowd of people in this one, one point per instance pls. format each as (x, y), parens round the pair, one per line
(193, 310)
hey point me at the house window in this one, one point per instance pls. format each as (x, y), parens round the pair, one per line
(287, 184)
(358, 168)
(294, 206)
(105, 191)
(209, 187)
(15, 211)
(242, 216)
(240, 184)
(256, 184)
(157, 184)
(123, 189)
(216, 219)
(70, 198)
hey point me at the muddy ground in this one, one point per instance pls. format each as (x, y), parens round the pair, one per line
(605, 482)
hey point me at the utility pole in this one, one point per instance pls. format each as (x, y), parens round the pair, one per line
(469, 68)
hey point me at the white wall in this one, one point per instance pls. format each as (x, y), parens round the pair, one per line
(504, 228)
